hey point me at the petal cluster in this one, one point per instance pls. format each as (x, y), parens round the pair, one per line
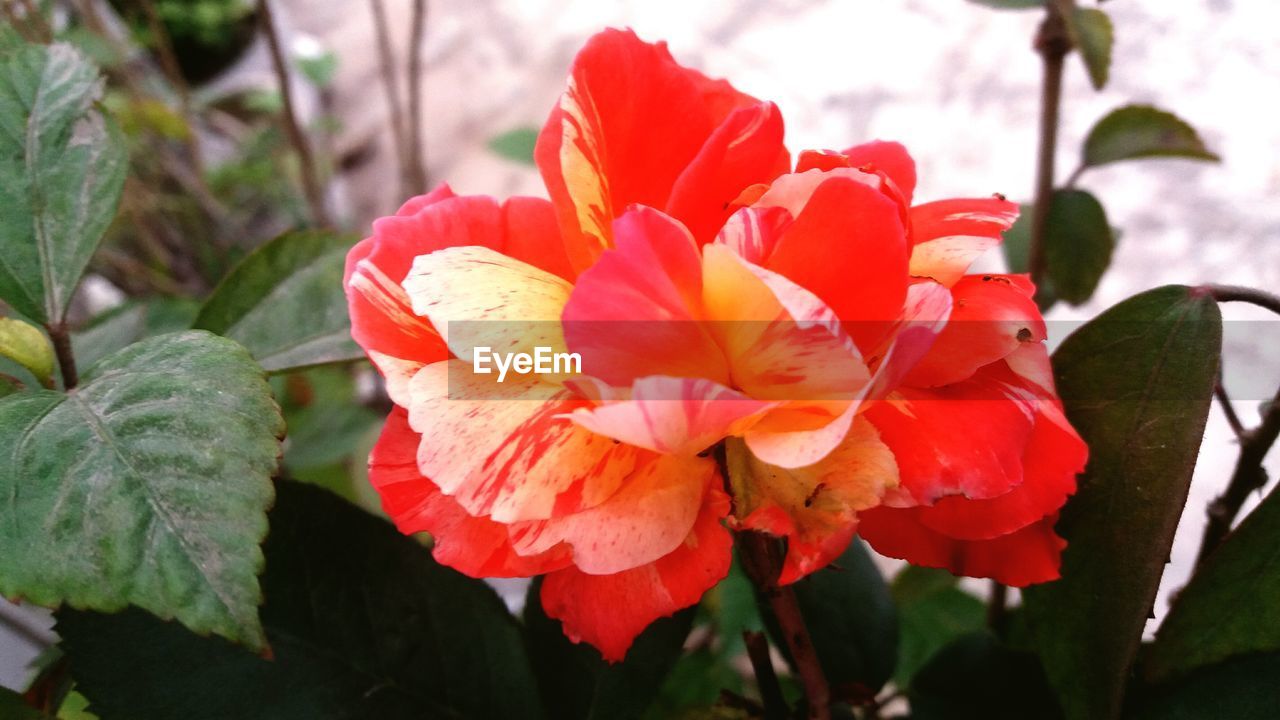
(793, 350)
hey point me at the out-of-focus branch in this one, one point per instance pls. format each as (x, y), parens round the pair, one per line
(173, 72)
(1052, 43)
(775, 705)
(307, 167)
(391, 85)
(417, 167)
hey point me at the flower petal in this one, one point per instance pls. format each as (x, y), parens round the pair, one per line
(673, 416)
(746, 149)
(991, 317)
(492, 300)
(504, 449)
(475, 546)
(628, 125)
(648, 518)
(948, 235)
(609, 611)
(890, 158)
(636, 312)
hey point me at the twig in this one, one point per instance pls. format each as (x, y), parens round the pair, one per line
(1233, 419)
(61, 338)
(417, 161)
(997, 606)
(1053, 44)
(1248, 476)
(762, 560)
(391, 85)
(775, 705)
(36, 19)
(1236, 293)
(172, 71)
(310, 184)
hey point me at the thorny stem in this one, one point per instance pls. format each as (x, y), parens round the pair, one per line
(417, 164)
(1053, 44)
(61, 338)
(762, 560)
(310, 183)
(1248, 476)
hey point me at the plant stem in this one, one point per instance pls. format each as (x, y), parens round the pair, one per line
(1248, 476)
(1236, 293)
(417, 163)
(1233, 419)
(762, 558)
(61, 339)
(997, 606)
(775, 706)
(391, 85)
(310, 184)
(1053, 44)
(172, 71)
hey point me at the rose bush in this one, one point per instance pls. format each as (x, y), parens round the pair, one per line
(810, 332)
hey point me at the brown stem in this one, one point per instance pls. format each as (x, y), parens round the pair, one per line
(307, 167)
(1248, 476)
(1053, 44)
(1236, 293)
(997, 606)
(417, 162)
(61, 338)
(1224, 401)
(391, 85)
(775, 705)
(762, 557)
(36, 18)
(173, 72)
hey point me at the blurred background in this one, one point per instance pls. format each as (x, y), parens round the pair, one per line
(956, 82)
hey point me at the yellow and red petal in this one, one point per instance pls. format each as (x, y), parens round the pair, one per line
(948, 235)
(637, 311)
(673, 416)
(609, 611)
(475, 546)
(991, 317)
(1025, 557)
(505, 450)
(648, 518)
(628, 125)
(478, 297)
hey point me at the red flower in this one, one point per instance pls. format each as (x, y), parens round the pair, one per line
(813, 322)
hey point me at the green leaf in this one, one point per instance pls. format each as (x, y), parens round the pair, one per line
(325, 422)
(577, 684)
(1142, 131)
(146, 485)
(13, 707)
(976, 677)
(285, 302)
(1077, 244)
(1091, 33)
(1243, 688)
(516, 144)
(24, 344)
(62, 167)
(1017, 255)
(1010, 4)
(1136, 382)
(850, 616)
(362, 624)
(932, 611)
(696, 682)
(127, 324)
(1229, 607)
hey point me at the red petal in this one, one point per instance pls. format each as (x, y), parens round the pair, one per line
(475, 546)
(890, 158)
(848, 247)
(609, 611)
(628, 125)
(949, 235)
(1030, 555)
(746, 149)
(991, 317)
